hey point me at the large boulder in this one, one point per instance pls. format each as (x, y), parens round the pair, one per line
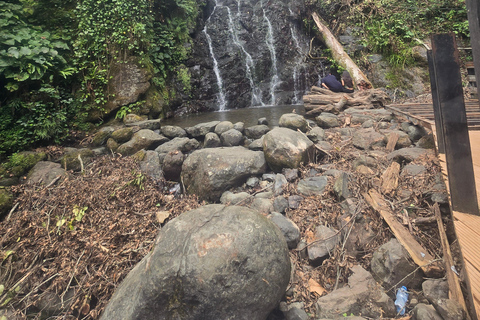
(285, 148)
(214, 262)
(293, 121)
(74, 159)
(45, 172)
(209, 172)
(178, 144)
(143, 139)
(201, 129)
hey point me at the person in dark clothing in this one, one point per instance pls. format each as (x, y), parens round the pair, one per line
(331, 83)
(347, 82)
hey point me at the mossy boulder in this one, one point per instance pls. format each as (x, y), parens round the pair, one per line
(102, 136)
(122, 135)
(71, 160)
(112, 145)
(6, 201)
(20, 163)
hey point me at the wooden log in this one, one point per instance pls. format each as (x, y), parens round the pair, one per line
(424, 220)
(315, 112)
(390, 178)
(392, 142)
(339, 106)
(418, 254)
(452, 279)
(341, 56)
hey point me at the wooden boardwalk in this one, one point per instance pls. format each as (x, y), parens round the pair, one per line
(467, 227)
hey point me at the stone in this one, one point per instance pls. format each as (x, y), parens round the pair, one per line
(252, 182)
(8, 182)
(449, 309)
(340, 187)
(131, 118)
(362, 295)
(256, 145)
(391, 266)
(230, 198)
(262, 121)
(222, 127)
(415, 132)
(145, 124)
(172, 165)
(403, 139)
(128, 80)
(231, 138)
(24, 161)
(150, 165)
(375, 114)
(209, 172)
(212, 140)
(112, 145)
(295, 311)
(262, 205)
(327, 120)
(289, 229)
(324, 242)
(256, 132)
(360, 119)
(368, 124)
(122, 135)
(173, 132)
(143, 139)
(317, 134)
(214, 262)
(293, 121)
(313, 186)
(101, 137)
(290, 174)
(294, 201)
(240, 126)
(285, 148)
(360, 234)
(425, 312)
(426, 142)
(71, 160)
(269, 177)
(178, 144)
(366, 139)
(45, 172)
(201, 129)
(279, 183)
(364, 161)
(413, 170)
(434, 289)
(280, 204)
(6, 201)
(408, 154)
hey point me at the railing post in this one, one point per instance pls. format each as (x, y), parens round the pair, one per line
(454, 123)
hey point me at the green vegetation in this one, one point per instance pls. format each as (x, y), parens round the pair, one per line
(54, 71)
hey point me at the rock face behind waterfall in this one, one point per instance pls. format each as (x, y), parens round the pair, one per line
(259, 50)
(214, 262)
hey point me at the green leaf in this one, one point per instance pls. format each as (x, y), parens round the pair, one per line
(25, 51)
(10, 42)
(13, 51)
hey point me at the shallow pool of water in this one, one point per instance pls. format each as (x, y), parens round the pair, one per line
(249, 116)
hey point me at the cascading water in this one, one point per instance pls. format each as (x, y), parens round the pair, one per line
(222, 101)
(298, 64)
(274, 82)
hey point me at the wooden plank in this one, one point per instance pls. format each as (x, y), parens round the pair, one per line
(419, 255)
(390, 178)
(392, 142)
(452, 278)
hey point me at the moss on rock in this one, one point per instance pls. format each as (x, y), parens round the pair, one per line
(6, 201)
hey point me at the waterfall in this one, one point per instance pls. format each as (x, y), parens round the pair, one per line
(271, 47)
(222, 101)
(249, 65)
(296, 81)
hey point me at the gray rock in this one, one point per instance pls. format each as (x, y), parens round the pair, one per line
(313, 186)
(181, 144)
(289, 229)
(294, 201)
(262, 205)
(280, 182)
(222, 127)
(131, 118)
(285, 148)
(375, 114)
(362, 296)
(434, 289)
(208, 172)
(173, 132)
(240, 126)
(146, 124)
(256, 132)
(214, 262)
(6, 201)
(230, 198)
(256, 145)
(367, 139)
(413, 170)
(231, 138)
(45, 172)
(317, 134)
(449, 309)
(368, 124)
(360, 234)
(280, 204)
(151, 166)
(414, 132)
(293, 121)
(262, 121)
(252, 182)
(122, 135)
(8, 182)
(264, 195)
(290, 174)
(172, 165)
(143, 139)
(360, 119)
(425, 312)
(201, 129)
(333, 173)
(391, 266)
(403, 139)
(269, 177)
(327, 120)
(408, 154)
(325, 241)
(212, 140)
(102, 136)
(71, 159)
(426, 142)
(364, 161)
(112, 145)
(340, 187)
(294, 311)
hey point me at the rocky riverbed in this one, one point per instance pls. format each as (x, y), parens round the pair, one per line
(83, 218)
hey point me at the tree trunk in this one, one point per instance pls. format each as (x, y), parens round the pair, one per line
(359, 79)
